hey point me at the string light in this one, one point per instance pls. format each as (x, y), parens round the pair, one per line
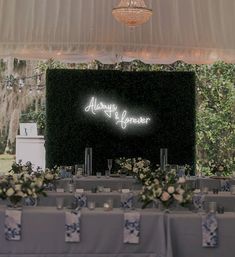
(18, 83)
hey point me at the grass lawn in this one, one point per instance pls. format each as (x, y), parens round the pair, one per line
(6, 161)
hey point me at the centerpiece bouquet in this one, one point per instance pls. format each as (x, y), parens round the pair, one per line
(165, 187)
(15, 187)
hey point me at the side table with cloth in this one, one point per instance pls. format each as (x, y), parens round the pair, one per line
(43, 235)
(184, 236)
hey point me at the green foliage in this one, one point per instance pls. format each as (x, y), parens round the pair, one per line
(215, 124)
(38, 116)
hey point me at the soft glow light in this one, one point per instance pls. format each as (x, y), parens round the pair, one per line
(112, 112)
(132, 12)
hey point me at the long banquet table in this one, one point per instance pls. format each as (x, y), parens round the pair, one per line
(184, 237)
(43, 235)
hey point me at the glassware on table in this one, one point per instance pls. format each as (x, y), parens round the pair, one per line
(110, 165)
(163, 158)
(91, 205)
(59, 202)
(98, 174)
(212, 207)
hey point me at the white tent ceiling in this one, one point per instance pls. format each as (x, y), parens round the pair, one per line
(195, 31)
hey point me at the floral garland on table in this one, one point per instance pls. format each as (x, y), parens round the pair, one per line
(137, 167)
(165, 187)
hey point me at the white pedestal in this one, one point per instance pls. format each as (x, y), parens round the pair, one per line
(31, 149)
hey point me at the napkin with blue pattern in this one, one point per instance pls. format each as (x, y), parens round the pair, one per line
(225, 185)
(209, 230)
(72, 226)
(131, 230)
(81, 200)
(199, 201)
(13, 224)
(127, 200)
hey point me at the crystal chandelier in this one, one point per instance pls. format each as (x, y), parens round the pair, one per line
(132, 12)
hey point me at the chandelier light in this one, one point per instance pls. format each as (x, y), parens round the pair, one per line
(132, 12)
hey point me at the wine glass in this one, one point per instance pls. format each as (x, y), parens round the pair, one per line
(110, 164)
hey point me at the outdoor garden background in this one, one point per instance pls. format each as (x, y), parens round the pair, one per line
(22, 99)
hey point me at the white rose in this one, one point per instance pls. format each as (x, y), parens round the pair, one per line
(181, 180)
(39, 183)
(135, 170)
(49, 176)
(159, 192)
(171, 189)
(178, 198)
(165, 196)
(10, 192)
(142, 176)
(17, 187)
(29, 191)
(20, 193)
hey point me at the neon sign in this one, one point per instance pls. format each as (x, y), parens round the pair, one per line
(112, 112)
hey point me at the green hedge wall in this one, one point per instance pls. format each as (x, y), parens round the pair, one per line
(169, 97)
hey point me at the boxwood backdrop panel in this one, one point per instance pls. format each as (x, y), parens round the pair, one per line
(119, 114)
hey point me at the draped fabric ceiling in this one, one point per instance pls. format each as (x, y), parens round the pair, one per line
(195, 31)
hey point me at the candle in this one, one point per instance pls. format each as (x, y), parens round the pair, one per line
(91, 205)
(107, 207)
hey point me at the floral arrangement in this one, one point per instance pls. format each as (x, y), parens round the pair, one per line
(15, 187)
(165, 187)
(218, 167)
(137, 167)
(50, 175)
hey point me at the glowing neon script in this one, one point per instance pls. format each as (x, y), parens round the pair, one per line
(112, 112)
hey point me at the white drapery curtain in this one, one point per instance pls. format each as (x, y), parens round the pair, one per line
(195, 31)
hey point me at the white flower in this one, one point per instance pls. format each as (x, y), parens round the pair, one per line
(171, 189)
(17, 187)
(181, 180)
(49, 176)
(10, 191)
(39, 182)
(142, 176)
(19, 193)
(135, 170)
(158, 192)
(29, 191)
(165, 196)
(178, 198)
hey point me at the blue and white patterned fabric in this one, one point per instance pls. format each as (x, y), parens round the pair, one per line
(131, 227)
(199, 201)
(30, 201)
(209, 230)
(225, 185)
(127, 200)
(72, 226)
(81, 200)
(13, 224)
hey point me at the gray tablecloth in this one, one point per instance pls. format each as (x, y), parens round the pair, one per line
(184, 236)
(43, 235)
(98, 198)
(87, 183)
(225, 199)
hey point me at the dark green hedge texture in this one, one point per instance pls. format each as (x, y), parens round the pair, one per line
(168, 97)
